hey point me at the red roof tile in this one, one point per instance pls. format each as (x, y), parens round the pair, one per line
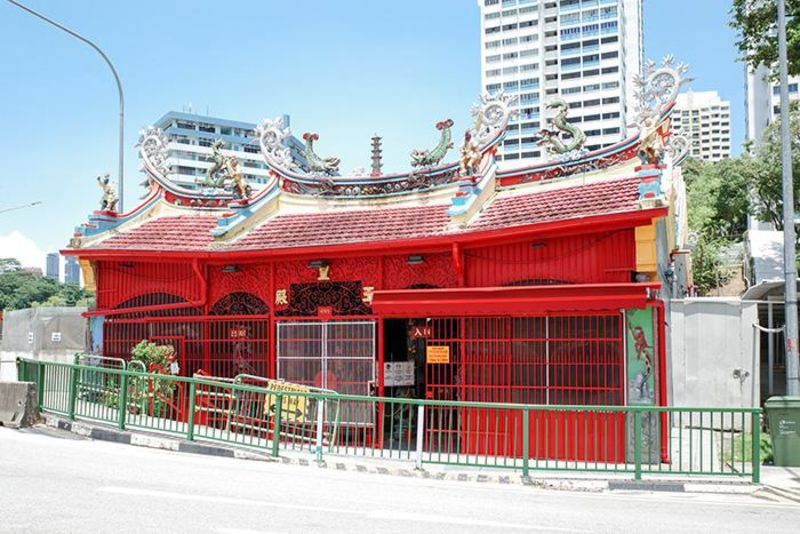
(337, 228)
(184, 232)
(192, 233)
(557, 204)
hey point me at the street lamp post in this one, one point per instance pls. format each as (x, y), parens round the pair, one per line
(116, 79)
(789, 266)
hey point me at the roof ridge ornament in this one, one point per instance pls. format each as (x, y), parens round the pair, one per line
(273, 137)
(551, 137)
(657, 87)
(429, 158)
(328, 166)
(153, 148)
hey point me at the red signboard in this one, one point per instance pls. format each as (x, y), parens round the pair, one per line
(417, 332)
(325, 311)
(237, 332)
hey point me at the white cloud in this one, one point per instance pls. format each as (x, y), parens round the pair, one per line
(18, 245)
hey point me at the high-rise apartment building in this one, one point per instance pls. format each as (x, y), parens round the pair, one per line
(705, 120)
(583, 51)
(52, 266)
(72, 271)
(763, 100)
(190, 153)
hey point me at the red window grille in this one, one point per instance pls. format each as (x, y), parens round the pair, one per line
(556, 360)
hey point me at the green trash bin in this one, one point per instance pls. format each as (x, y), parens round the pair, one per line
(784, 429)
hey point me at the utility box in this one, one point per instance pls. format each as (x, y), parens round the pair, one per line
(784, 429)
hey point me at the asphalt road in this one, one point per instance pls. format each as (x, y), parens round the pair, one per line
(53, 482)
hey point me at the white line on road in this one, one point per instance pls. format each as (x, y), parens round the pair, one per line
(426, 518)
(141, 492)
(389, 515)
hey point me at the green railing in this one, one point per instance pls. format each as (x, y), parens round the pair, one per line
(635, 440)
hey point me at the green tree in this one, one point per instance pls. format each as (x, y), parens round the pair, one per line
(766, 176)
(718, 204)
(23, 289)
(756, 20)
(9, 265)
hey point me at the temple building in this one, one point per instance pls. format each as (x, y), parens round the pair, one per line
(543, 285)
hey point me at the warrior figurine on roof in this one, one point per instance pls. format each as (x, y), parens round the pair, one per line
(110, 199)
(470, 155)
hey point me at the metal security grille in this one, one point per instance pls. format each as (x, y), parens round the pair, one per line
(220, 346)
(556, 360)
(335, 355)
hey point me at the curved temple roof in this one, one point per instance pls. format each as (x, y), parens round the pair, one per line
(458, 200)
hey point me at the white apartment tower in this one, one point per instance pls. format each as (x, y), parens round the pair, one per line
(583, 51)
(705, 120)
(763, 100)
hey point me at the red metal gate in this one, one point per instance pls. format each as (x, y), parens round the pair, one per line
(222, 346)
(555, 360)
(335, 355)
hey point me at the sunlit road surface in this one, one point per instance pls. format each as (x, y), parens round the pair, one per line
(52, 482)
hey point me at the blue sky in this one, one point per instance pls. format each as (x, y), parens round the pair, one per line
(345, 69)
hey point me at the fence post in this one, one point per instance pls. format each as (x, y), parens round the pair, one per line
(420, 435)
(73, 390)
(122, 405)
(320, 423)
(526, 445)
(276, 427)
(40, 383)
(637, 444)
(190, 415)
(756, 445)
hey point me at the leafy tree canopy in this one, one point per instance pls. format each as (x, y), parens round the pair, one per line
(766, 179)
(23, 289)
(756, 22)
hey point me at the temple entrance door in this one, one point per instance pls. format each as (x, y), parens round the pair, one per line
(335, 355)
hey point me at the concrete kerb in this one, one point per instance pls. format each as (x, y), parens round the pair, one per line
(543, 480)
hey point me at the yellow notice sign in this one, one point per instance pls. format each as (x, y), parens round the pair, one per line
(437, 354)
(293, 407)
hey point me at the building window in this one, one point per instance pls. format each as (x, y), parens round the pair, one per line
(570, 75)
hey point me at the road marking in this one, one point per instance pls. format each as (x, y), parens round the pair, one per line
(389, 515)
(142, 492)
(449, 520)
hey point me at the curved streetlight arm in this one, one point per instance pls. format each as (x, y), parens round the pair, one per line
(116, 79)
(32, 204)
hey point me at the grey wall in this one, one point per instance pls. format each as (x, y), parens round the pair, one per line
(29, 333)
(710, 338)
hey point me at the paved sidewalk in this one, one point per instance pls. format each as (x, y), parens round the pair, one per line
(778, 484)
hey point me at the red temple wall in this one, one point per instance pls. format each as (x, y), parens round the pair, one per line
(605, 257)
(596, 258)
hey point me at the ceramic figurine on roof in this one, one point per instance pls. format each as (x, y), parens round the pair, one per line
(426, 158)
(329, 166)
(551, 137)
(651, 144)
(215, 176)
(110, 199)
(470, 155)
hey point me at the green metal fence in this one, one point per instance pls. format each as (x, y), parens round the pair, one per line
(635, 440)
